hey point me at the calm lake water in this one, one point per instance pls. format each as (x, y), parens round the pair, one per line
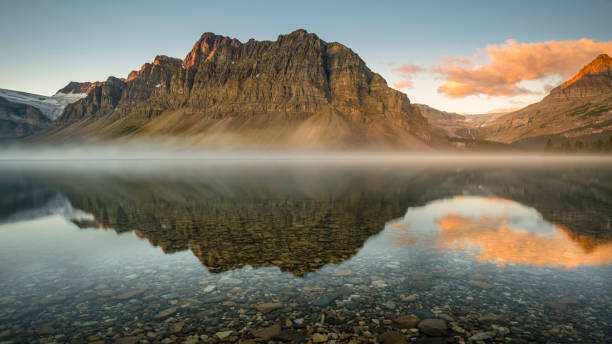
(294, 251)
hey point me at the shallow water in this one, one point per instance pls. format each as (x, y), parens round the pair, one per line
(290, 251)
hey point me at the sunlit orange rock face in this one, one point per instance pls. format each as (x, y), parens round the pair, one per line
(601, 64)
(490, 228)
(206, 46)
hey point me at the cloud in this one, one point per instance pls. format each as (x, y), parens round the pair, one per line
(463, 60)
(407, 83)
(499, 231)
(513, 62)
(407, 71)
(494, 240)
(498, 70)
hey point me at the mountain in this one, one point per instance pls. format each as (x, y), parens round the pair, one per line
(579, 108)
(296, 92)
(20, 120)
(454, 124)
(52, 107)
(23, 114)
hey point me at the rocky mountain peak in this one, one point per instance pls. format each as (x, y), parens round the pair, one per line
(163, 59)
(160, 61)
(299, 34)
(75, 87)
(205, 48)
(601, 64)
(593, 80)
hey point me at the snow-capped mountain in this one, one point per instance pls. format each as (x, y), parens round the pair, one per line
(52, 107)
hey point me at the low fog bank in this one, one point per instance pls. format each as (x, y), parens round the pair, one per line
(142, 151)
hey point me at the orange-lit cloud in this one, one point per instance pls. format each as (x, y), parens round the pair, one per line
(407, 71)
(498, 70)
(513, 62)
(496, 242)
(406, 83)
(463, 60)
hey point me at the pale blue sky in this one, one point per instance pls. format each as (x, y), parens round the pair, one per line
(46, 44)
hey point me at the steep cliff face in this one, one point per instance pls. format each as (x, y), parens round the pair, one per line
(582, 106)
(298, 91)
(206, 46)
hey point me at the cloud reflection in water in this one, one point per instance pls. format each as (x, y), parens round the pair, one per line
(499, 231)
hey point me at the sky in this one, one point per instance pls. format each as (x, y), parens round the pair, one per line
(458, 56)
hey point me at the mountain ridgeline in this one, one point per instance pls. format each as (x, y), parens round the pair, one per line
(296, 92)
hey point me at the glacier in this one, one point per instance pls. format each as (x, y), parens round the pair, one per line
(52, 107)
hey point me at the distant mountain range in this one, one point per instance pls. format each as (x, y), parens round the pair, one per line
(457, 125)
(298, 92)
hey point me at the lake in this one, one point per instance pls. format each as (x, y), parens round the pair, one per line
(421, 250)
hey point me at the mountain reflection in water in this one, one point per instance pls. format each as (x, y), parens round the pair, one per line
(500, 231)
(300, 219)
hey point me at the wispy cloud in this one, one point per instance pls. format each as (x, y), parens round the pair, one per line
(463, 60)
(508, 64)
(407, 71)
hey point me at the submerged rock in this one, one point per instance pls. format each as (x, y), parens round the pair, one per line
(266, 333)
(392, 337)
(482, 336)
(325, 300)
(267, 307)
(319, 338)
(165, 313)
(433, 327)
(406, 322)
(223, 334)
